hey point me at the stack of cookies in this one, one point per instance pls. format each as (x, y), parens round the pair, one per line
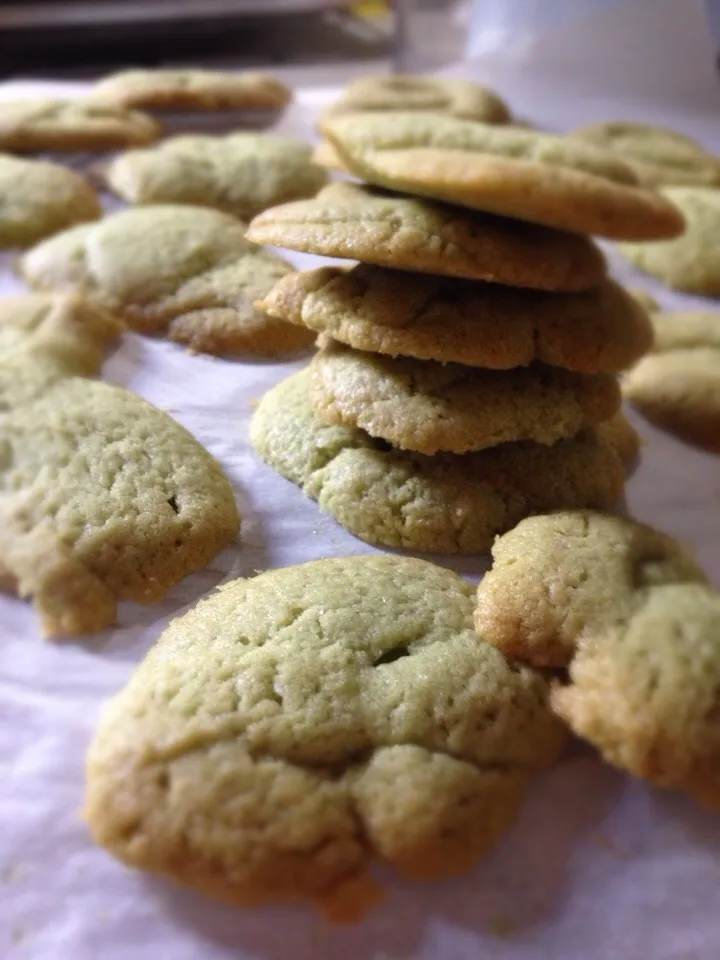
(467, 367)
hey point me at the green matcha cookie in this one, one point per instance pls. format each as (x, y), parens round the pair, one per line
(292, 728)
(34, 125)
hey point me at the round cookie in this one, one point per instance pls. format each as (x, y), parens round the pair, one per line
(185, 271)
(443, 504)
(241, 174)
(350, 221)
(425, 406)
(28, 126)
(45, 337)
(554, 181)
(40, 198)
(397, 313)
(175, 89)
(621, 435)
(659, 156)
(449, 96)
(690, 262)
(628, 611)
(293, 727)
(677, 387)
(104, 498)
(560, 577)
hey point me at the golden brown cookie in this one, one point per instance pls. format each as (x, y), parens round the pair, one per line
(191, 90)
(448, 503)
(554, 181)
(690, 262)
(659, 156)
(449, 96)
(622, 436)
(293, 727)
(398, 313)
(184, 270)
(28, 126)
(407, 233)
(425, 406)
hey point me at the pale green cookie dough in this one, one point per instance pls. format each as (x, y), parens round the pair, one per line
(690, 262)
(444, 504)
(103, 498)
(191, 89)
(294, 727)
(40, 198)
(425, 406)
(350, 221)
(241, 174)
(185, 271)
(393, 312)
(555, 181)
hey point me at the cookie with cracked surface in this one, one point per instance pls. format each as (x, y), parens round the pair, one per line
(359, 223)
(46, 337)
(184, 271)
(104, 498)
(242, 174)
(659, 156)
(448, 96)
(41, 198)
(293, 727)
(677, 386)
(449, 503)
(554, 181)
(690, 262)
(173, 89)
(425, 406)
(568, 574)
(630, 614)
(451, 320)
(28, 126)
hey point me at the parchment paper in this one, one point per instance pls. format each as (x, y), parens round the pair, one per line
(597, 867)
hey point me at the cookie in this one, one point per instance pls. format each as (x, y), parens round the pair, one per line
(425, 406)
(184, 271)
(451, 504)
(686, 329)
(645, 299)
(602, 330)
(241, 174)
(690, 262)
(104, 498)
(408, 233)
(621, 435)
(40, 198)
(449, 96)
(293, 727)
(44, 338)
(571, 574)
(658, 156)
(628, 611)
(533, 176)
(28, 126)
(191, 90)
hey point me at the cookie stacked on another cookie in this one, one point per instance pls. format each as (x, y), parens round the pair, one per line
(465, 376)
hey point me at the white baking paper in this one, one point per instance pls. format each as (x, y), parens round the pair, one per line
(598, 867)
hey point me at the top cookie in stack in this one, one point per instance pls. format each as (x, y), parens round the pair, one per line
(466, 371)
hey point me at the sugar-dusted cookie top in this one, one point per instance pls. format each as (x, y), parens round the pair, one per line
(294, 727)
(690, 262)
(191, 89)
(556, 181)
(242, 174)
(41, 198)
(451, 96)
(104, 498)
(659, 156)
(183, 270)
(426, 406)
(409, 233)
(28, 126)
(447, 503)
(399, 313)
